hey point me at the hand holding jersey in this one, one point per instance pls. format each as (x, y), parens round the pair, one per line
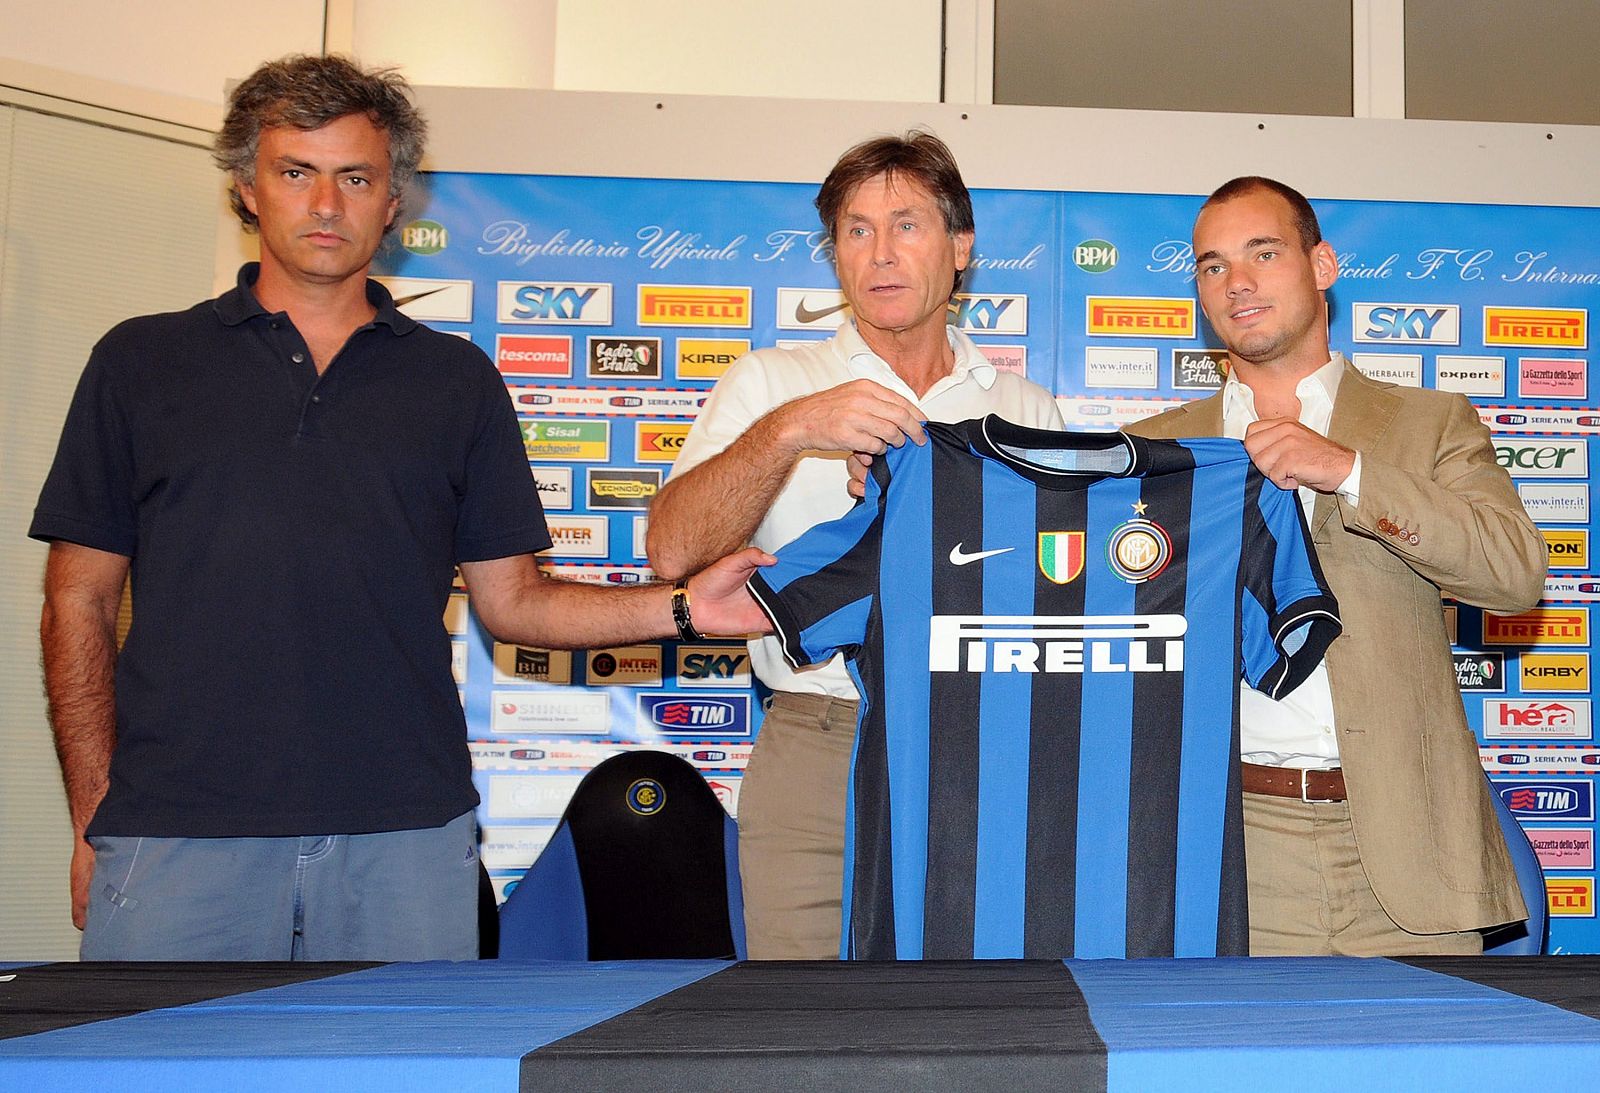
(1292, 455)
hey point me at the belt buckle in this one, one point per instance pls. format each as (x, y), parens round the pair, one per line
(1305, 788)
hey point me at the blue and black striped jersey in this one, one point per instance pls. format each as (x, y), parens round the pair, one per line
(1047, 630)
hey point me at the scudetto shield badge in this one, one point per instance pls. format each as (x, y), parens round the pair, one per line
(1061, 555)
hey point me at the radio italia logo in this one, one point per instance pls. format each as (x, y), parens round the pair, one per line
(1056, 643)
(694, 305)
(1135, 316)
(1565, 328)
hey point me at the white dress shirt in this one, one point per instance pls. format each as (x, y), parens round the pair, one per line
(1296, 730)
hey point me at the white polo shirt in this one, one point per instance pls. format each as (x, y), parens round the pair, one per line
(817, 491)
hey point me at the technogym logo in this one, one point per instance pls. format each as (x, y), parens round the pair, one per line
(424, 237)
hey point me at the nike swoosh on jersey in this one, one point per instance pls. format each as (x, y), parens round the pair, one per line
(961, 557)
(803, 314)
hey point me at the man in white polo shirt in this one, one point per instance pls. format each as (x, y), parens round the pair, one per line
(766, 460)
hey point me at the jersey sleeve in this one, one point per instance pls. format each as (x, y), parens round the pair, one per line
(820, 593)
(1289, 615)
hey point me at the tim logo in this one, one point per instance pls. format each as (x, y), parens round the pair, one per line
(1056, 643)
(1549, 799)
(1415, 324)
(573, 304)
(679, 715)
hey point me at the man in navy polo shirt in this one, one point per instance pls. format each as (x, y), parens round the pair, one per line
(275, 766)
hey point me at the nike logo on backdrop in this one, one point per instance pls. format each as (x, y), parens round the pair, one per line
(402, 301)
(961, 557)
(803, 314)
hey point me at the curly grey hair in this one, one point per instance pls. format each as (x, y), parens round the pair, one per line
(308, 93)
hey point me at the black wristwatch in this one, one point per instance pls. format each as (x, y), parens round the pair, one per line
(680, 612)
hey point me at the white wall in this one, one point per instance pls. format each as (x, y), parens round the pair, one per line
(112, 53)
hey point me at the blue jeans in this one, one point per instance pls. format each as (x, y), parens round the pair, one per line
(391, 895)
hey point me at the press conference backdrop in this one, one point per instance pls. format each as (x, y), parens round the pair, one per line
(611, 306)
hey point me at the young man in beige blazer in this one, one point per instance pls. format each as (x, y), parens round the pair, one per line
(1369, 829)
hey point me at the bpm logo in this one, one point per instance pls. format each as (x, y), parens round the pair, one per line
(1095, 256)
(990, 314)
(1543, 458)
(424, 237)
(1540, 626)
(1570, 897)
(1568, 549)
(1557, 327)
(1413, 324)
(1139, 316)
(543, 302)
(713, 666)
(681, 715)
(1056, 643)
(693, 305)
(1549, 798)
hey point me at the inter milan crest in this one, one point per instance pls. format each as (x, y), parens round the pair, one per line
(1061, 555)
(1138, 550)
(647, 797)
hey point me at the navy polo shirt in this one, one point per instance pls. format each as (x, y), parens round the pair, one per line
(292, 539)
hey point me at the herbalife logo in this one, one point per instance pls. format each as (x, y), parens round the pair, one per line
(1095, 256)
(424, 237)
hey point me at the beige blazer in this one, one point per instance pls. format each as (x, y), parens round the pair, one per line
(1436, 514)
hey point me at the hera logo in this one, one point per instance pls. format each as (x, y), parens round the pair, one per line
(1056, 643)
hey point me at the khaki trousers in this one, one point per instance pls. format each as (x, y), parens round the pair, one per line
(1309, 895)
(791, 827)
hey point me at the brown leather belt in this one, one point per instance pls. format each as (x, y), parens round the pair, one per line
(1304, 785)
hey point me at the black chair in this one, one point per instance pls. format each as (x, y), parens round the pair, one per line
(644, 865)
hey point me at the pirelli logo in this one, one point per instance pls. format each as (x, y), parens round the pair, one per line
(1556, 327)
(1140, 317)
(1056, 643)
(1541, 626)
(694, 305)
(1570, 897)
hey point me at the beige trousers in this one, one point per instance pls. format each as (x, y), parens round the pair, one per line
(791, 827)
(1309, 895)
